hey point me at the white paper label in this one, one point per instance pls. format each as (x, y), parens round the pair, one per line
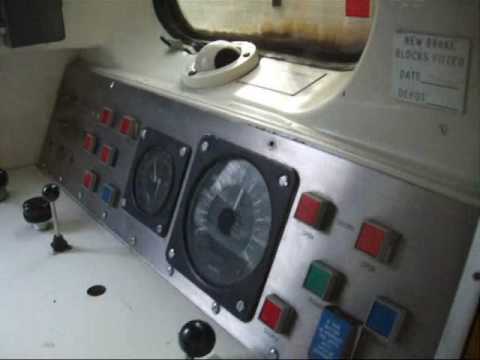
(431, 70)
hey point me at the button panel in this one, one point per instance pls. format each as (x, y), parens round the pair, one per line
(385, 319)
(90, 180)
(335, 336)
(277, 314)
(108, 155)
(313, 210)
(377, 241)
(322, 280)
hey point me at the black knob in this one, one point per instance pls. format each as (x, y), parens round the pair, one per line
(51, 192)
(196, 339)
(3, 178)
(37, 210)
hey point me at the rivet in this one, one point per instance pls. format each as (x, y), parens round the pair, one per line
(183, 151)
(170, 270)
(205, 146)
(171, 253)
(240, 306)
(215, 308)
(104, 215)
(283, 181)
(123, 202)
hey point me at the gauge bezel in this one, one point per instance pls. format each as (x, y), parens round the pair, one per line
(250, 288)
(163, 217)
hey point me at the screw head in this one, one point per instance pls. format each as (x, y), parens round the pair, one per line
(171, 253)
(80, 195)
(205, 146)
(60, 179)
(143, 134)
(240, 306)
(283, 181)
(159, 228)
(215, 308)
(132, 241)
(183, 151)
(170, 270)
(112, 84)
(123, 202)
(104, 215)
(273, 354)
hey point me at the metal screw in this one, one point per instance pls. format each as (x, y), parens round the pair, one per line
(273, 354)
(80, 195)
(283, 181)
(104, 215)
(171, 253)
(112, 84)
(240, 306)
(476, 276)
(170, 270)
(60, 179)
(205, 146)
(215, 308)
(143, 134)
(159, 228)
(132, 241)
(183, 151)
(123, 202)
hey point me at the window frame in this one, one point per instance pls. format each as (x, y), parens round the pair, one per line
(171, 17)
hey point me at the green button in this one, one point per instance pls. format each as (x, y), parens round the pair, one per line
(321, 280)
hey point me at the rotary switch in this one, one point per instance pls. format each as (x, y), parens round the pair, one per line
(3, 185)
(37, 212)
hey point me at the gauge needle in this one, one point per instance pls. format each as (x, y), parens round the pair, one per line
(155, 172)
(239, 198)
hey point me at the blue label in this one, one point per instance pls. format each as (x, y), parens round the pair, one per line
(333, 336)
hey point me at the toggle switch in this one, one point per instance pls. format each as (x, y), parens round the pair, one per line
(322, 280)
(108, 155)
(90, 143)
(377, 241)
(90, 180)
(128, 127)
(277, 314)
(313, 210)
(385, 319)
(106, 117)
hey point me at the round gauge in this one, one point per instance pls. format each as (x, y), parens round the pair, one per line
(229, 222)
(153, 180)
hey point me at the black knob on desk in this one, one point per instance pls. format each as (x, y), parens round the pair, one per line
(37, 212)
(51, 192)
(3, 178)
(196, 339)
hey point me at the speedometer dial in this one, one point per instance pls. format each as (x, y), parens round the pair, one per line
(229, 222)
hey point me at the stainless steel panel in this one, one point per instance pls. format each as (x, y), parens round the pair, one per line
(436, 231)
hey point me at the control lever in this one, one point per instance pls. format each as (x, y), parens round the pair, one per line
(197, 339)
(3, 185)
(51, 193)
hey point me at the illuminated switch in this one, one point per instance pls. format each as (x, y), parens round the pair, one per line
(277, 314)
(335, 336)
(90, 180)
(377, 241)
(108, 155)
(109, 194)
(90, 143)
(128, 126)
(322, 280)
(106, 117)
(385, 319)
(312, 210)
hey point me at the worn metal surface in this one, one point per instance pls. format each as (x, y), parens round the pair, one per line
(436, 232)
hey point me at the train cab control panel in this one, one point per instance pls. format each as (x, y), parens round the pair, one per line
(296, 252)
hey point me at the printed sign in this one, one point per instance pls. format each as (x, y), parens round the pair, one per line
(431, 70)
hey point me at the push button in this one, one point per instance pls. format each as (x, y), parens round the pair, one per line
(335, 336)
(108, 155)
(90, 143)
(277, 314)
(385, 319)
(322, 280)
(109, 194)
(90, 180)
(377, 241)
(106, 117)
(128, 126)
(312, 210)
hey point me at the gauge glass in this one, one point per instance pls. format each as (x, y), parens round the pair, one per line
(229, 222)
(153, 180)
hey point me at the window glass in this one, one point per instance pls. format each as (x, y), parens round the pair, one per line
(307, 28)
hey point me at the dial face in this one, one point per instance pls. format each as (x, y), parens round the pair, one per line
(153, 180)
(229, 222)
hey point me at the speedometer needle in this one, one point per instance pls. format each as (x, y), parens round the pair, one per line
(239, 198)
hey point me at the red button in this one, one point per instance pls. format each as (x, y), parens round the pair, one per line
(108, 154)
(358, 8)
(277, 314)
(312, 210)
(90, 142)
(128, 126)
(90, 180)
(106, 117)
(376, 240)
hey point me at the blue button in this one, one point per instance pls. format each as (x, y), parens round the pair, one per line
(335, 335)
(385, 319)
(108, 194)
